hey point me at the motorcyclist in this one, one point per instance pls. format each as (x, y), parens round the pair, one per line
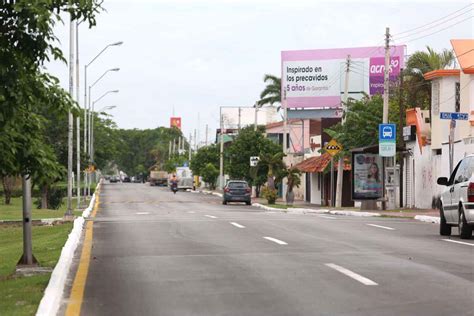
(174, 183)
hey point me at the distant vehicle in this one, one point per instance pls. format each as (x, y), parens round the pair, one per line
(237, 191)
(185, 178)
(138, 179)
(114, 179)
(133, 179)
(457, 201)
(158, 178)
(126, 179)
(107, 177)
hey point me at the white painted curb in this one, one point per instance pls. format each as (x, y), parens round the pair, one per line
(428, 219)
(51, 300)
(317, 211)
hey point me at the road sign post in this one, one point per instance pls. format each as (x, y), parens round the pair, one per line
(332, 148)
(453, 116)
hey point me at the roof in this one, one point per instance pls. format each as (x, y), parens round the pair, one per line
(280, 123)
(319, 164)
(441, 73)
(464, 50)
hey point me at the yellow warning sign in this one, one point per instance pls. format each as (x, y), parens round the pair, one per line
(333, 147)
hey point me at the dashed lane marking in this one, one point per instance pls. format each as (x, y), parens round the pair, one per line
(351, 274)
(211, 216)
(142, 213)
(237, 225)
(278, 241)
(379, 226)
(328, 217)
(459, 242)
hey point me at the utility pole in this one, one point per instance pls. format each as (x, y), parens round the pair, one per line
(169, 151)
(221, 155)
(386, 82)
(195, 140)
(190, 150)
(239, 124)
(174, 146)
(256, 116)
(340, 167)
(179, 144)
(78, 124)
(285, 122)
(27, 258)
(70, 119)
(207, 131)
(401, 107)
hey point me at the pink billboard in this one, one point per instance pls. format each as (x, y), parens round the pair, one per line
(315, 78)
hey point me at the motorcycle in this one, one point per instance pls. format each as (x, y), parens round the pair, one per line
(174, 187)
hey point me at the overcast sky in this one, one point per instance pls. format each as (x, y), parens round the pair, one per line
(195, 56)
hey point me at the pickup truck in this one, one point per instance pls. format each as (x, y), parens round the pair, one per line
(159, 178)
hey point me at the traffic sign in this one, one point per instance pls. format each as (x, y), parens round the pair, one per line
(333, 147)
(454, 116)
(387, 140)
(254, 161)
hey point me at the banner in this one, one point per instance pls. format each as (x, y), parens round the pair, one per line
(367, 176)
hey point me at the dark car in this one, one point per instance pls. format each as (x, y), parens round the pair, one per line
(113, 179)
(237, 191)
(126, 179)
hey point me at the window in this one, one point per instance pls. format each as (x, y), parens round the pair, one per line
(465, 169)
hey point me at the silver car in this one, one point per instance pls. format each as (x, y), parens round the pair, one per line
(457, 201)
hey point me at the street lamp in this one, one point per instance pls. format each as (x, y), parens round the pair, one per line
(106, 108)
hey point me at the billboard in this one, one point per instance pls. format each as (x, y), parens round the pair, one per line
(175, 122)
(315, 78)
(367, 176)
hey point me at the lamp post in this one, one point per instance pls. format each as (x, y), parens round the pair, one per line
(86, 109)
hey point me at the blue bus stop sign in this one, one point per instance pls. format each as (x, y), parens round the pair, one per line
(387, 140)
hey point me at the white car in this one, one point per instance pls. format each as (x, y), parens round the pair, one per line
(457, 201)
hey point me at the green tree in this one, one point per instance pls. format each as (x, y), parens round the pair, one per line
(209, 175)
(275, 166)
(419, 63)
(272, 92)
(204, 156)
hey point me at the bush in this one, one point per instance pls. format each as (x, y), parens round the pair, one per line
(55, 198)
(269, 194)
(210, 174)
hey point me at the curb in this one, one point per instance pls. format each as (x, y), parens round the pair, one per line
(206, 192)
(313, 211)
(51, 300)
(428, 219)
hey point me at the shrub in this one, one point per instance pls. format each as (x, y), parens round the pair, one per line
(269, 194)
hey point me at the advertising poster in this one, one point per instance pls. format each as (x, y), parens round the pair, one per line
(315, 78)
(367, 176)
(175, 122)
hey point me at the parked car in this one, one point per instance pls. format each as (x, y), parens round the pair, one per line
(237, 191)
(126, 179)
(114, 179)
(457, 201)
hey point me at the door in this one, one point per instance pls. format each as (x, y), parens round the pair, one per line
(451, 195)
(308, 187)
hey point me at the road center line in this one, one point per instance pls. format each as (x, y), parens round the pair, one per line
(237, 225)
(211, 216)
(278, 241)
(191, 212)
(383, 227)
(142, 213)
(459, 242)
(351, 274)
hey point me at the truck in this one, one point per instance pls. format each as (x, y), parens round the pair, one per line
(185, 178)
(158, 177)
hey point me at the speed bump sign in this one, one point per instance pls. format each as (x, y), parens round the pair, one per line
(333, 147)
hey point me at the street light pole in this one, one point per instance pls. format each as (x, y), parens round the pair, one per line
(78, 124)
(70, 120)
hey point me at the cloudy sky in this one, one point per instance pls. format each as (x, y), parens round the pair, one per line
(194, 56)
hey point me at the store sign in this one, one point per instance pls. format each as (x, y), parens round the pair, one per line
(367, 176)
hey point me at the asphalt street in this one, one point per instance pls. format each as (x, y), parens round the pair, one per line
(156, 253)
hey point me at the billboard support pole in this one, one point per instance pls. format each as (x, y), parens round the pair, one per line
(221, 161)
(340, 167)
(285, 123)
(386, 74)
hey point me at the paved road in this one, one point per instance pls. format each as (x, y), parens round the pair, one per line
(155, 253)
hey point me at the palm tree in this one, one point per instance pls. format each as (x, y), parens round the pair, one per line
(421, 62)
(272, 92)
(275, 164)
(293, 180)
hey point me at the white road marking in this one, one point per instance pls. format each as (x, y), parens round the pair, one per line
(210, 216)
(351, 274)
(328, 217)
(278, 241)
(237, 225)
(384, 227)
(459, 242)
(142, 213)
(191, 212)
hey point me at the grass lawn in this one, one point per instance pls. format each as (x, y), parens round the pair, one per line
(21, 295)
(15, 209)
(280, 206)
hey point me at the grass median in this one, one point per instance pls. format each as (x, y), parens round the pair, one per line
(21, 295)
(13, 211)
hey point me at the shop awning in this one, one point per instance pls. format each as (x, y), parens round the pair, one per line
(319, 164)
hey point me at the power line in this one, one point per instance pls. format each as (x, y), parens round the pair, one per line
(443, 29)
(432, 22)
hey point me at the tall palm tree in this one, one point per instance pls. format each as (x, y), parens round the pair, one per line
(272, 92)
(275, 164)
(421, 62)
